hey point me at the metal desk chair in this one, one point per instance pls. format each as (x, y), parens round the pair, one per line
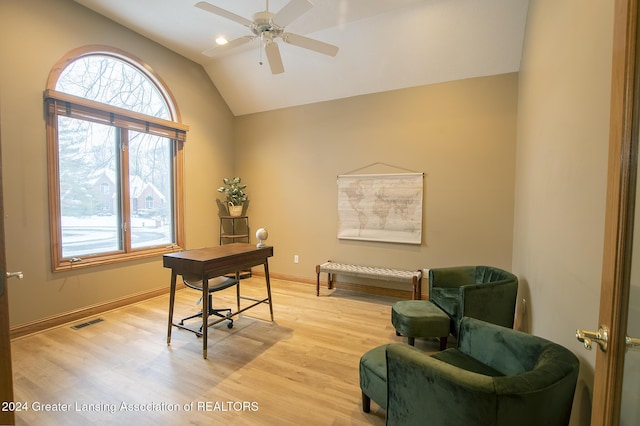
(215, 284)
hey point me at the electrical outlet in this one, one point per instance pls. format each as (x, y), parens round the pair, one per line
(295, 258)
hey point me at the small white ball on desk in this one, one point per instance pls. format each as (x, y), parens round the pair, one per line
(261, 235)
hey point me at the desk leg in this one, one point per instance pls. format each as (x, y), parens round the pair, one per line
(266, 277)
(238, 290)
(172, 300)
(205, 314)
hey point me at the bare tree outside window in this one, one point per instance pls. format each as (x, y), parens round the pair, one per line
(116, 177)
(111, 81)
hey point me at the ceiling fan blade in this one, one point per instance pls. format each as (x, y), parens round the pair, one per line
(233, 43)
(290, 12)
(224, 13)
(311, 44)
(273, 56)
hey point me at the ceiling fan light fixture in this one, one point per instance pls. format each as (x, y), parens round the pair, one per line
(221, 41)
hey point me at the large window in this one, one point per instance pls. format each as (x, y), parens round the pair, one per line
(115, 155)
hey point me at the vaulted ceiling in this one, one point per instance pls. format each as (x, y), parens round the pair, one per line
(383, 45)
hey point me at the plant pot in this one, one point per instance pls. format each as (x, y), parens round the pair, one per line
(235, 210)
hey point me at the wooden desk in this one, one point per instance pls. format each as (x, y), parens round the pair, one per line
(213, 262)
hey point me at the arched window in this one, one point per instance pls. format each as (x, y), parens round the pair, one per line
(112, 131)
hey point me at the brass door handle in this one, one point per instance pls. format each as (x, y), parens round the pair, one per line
(18, 275)
(632, 342)
(601, 337)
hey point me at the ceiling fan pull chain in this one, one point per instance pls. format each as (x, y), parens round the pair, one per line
(260, 48)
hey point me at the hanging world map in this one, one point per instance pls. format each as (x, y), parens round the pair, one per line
(380, 207)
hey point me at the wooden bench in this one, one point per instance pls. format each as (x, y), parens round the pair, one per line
(331, 268)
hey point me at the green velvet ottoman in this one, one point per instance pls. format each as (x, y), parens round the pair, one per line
(373, 378)
(420, 318)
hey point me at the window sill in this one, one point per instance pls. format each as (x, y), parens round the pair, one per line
(68, 264)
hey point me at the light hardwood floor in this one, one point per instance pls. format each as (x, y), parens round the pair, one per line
(300, 369)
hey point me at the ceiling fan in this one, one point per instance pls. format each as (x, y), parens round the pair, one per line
(268, 26)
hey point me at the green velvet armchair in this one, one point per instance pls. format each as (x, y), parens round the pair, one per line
(495, 376)
(482, 292)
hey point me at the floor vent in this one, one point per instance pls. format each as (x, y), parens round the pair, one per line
(86, 324)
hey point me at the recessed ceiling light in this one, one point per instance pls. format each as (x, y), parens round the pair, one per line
(221, 40)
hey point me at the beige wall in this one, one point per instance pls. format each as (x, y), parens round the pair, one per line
(563, 124)
(460, 134)
(34, 34)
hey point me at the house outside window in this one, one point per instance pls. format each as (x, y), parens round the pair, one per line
(115, 144)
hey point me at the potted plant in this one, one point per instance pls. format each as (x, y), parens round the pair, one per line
(235, 195)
